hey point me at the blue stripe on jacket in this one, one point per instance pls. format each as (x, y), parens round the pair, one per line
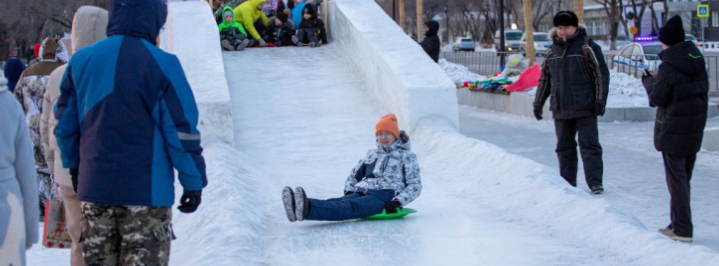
(135, 115)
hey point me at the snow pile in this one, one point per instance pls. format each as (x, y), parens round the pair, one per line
(459, 73)
(529, 193)
(626, 91)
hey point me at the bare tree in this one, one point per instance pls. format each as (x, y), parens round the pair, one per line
(23, 23)
(540, 10)
(615, 14)
(638, 15)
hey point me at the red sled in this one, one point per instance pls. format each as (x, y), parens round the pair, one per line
(268, 45)
(527, 80)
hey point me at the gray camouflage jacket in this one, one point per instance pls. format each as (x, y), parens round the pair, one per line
(396, 168)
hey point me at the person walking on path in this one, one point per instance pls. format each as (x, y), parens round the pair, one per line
(127, 119)
(680, 91)
(18, 182)
(576, 77)
(88, 27)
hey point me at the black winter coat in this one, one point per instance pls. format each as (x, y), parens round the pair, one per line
(431, 43)
(573, 91)
(314, 24)
(680, 93)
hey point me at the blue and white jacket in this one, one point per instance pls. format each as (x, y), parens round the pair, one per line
(126, 114)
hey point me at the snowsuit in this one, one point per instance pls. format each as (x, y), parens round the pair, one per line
(219, 12)
(680, 93)
(385, 174)
(232, 32)
(313, 29)
(575, 97)
(13, 69)
(18, 182)
(29, 93)
(431, 43)
(89, 26)
(280, 35)
(249, 16)
(127, 119)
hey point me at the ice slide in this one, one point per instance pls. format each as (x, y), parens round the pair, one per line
(303, 117)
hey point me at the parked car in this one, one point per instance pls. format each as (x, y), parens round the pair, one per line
(511, 40)
(638, 55)
(690, 37)
(541, 42)
(464, 44)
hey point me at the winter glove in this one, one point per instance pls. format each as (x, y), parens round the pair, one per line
(538, 113)
(190, 201)
(647, 74)
(348, 192)
(263, 43)
(599, 109)
(74, 172)
(391, 206)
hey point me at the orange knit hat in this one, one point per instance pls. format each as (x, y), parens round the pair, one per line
(388, 123)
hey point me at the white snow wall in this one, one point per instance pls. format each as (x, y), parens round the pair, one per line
(393, 66)
(194, 38)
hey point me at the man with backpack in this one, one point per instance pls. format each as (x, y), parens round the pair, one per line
(576, 77)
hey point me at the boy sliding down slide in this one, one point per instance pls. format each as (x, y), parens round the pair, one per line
(387, 178)
(232, 35)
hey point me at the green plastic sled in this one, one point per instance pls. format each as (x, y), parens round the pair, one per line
(385, 216)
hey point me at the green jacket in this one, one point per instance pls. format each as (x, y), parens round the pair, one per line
(230, 29)
(247, 13)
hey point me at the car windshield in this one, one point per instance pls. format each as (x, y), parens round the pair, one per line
(467, 41)
(652, 49)
(541, 37)
(513, 36)
(689, 38)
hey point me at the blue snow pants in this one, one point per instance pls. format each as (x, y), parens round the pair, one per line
(359, 204)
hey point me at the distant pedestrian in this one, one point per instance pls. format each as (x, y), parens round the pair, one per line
(431, 43)
(680, 91)
(576, 77)
(13, 69)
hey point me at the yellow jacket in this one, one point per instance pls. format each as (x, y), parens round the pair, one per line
(247, 13)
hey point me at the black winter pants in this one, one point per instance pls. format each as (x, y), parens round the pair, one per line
(679, 172)
(591, 150)
(308, 35)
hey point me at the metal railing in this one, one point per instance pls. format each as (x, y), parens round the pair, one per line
(488, 63)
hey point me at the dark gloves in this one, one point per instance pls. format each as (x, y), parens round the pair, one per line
(392, 205)
(74, 172)
(190, 201)
(599, 109)
(538, 112)
(647, 74)
(348, 192)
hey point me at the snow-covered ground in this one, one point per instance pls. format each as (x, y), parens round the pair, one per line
(624, 90)
(303, 117)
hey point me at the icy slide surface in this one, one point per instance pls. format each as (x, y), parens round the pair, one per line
(303, 118)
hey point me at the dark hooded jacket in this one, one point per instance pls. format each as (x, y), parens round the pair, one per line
(574, 92)
(127, 116)
(314, 24)
(680, 93)
(431, 43)
(13, 69)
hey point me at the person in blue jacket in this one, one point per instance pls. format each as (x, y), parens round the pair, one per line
(297, 13)
(13, 69)
(126, 117)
